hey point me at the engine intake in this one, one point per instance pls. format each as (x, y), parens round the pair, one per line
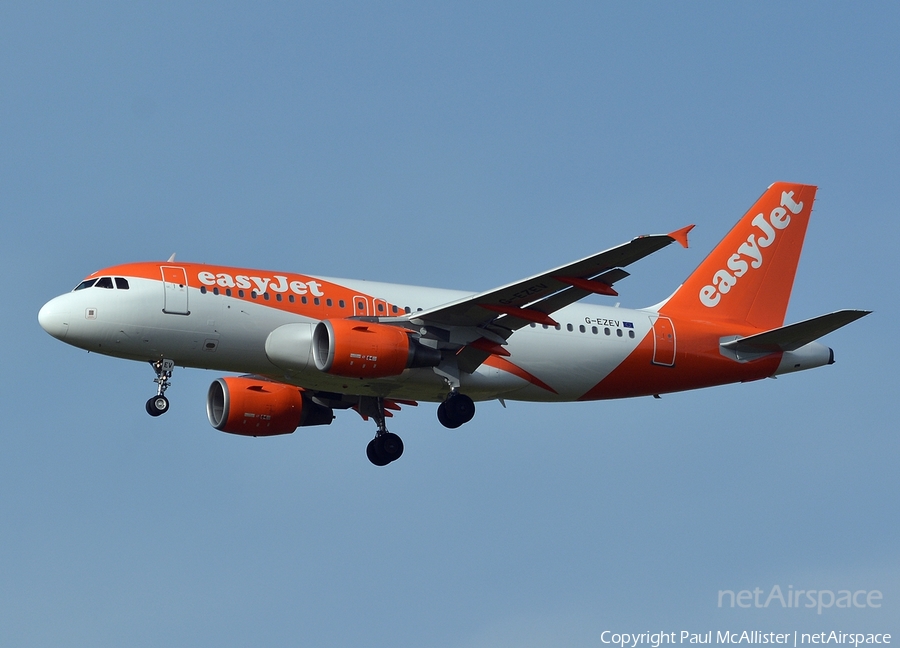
(357, 349)
(254, 407)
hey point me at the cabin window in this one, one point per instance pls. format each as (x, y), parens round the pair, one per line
(581, 328)
(631, 334)
(328, 302)
(202, 290)
(619, 332)
(216, 290)
(341, 303)
(316, 301)
(569, 327)
(606, 331)
(594, 330)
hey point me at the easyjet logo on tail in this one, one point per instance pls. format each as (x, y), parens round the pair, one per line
(749, 254)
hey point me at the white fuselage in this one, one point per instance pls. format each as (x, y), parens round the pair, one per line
(229, 334)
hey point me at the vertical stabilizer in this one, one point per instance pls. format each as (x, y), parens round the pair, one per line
(748, 277)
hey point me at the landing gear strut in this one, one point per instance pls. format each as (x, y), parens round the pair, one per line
(159, 404)
(456, 410)
(386, 446)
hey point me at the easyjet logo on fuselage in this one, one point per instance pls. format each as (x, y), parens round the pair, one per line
(278, 283)
(750, 253)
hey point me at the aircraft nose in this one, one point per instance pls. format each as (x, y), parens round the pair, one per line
(54, 319)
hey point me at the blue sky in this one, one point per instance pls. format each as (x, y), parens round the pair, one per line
(460, 146)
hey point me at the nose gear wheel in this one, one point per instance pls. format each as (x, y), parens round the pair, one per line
(157, 405)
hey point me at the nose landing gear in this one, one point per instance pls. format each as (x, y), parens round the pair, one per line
(159, 404)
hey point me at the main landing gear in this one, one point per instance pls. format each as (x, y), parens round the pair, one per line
(159, 404)
(456, 410)
(386, 446)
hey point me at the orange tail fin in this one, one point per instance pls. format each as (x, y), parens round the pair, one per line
(748, 277)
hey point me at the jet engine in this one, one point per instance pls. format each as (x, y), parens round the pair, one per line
(357, 349)
(255, 407)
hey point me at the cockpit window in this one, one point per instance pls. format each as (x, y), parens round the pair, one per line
(87, 283)
(121, 283)
(104, 282)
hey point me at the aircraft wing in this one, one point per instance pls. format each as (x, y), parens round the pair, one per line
(479, 325)
(535, 298)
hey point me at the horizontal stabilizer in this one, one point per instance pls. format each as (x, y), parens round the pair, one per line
(794, 336)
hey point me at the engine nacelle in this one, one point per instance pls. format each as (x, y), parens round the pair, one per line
(290, 346)
(253, 407)
(357, 349)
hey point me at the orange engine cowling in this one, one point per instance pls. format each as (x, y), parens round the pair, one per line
(358, 349)
(254, 407)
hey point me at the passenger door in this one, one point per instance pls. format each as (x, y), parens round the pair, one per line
(176, 287)
(663, 341)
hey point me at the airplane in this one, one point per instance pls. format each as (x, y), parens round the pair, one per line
(306, 346)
